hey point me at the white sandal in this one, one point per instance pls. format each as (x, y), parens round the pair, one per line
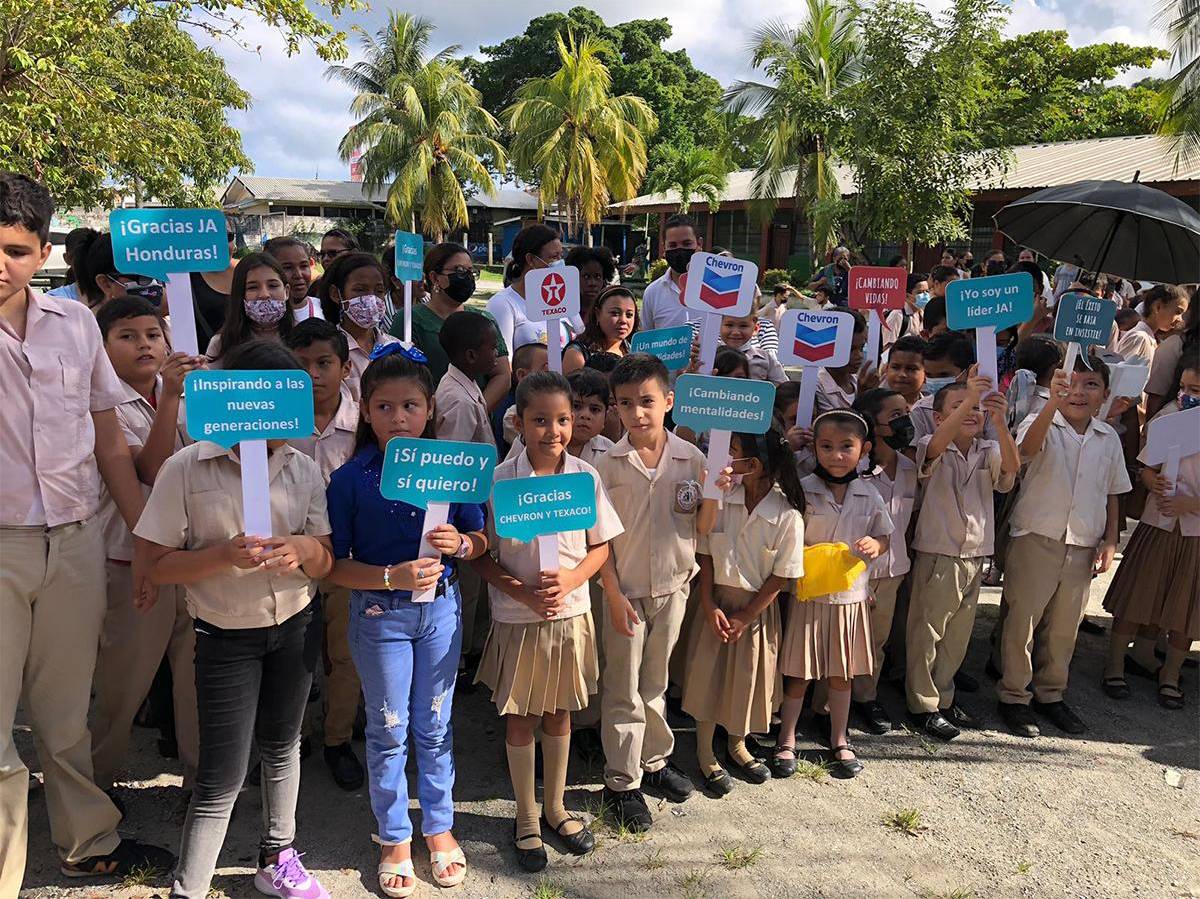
(402, 869)
(440, 861)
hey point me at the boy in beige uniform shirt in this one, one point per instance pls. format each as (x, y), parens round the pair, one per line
(469, 339)
(959, 471)
(653, 479)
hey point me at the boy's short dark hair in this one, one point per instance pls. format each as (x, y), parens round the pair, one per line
(1093, 364)
(953, 345)
(679, 220)
(465, 331)
(539, 382)
(27, 203)
(1038, 354)
(260, 355)
(940, 274)
(316, 330)
(1127, 316)
(914, 279)
(123, 308)
(638, 367)
(523, 355)
(910, 343)
(939, 398)
(587, 382)
(934, 313)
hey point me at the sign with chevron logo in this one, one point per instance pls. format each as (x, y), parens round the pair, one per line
(815, 338)
(720, 284)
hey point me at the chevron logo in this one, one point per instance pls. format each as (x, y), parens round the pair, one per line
(815, 344)
(719, 291)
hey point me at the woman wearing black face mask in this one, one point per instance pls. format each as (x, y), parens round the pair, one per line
(449, 282)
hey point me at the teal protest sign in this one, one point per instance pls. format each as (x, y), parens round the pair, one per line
(420, 472)
(410, 256)
(673, 346)
(526, 508)
(1084, 319)
(227, 407)
(162, 242)
(999, 301)
(705, 402)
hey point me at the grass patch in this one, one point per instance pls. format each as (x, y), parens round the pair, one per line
(548, 889)
(655, 861)
(817, 772)
(905, 820)
(1024, 867)
(604, 821)
(923, 741)
(694, 884)
(141, 876)
(734, 858)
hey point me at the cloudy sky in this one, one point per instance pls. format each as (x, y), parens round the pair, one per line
(298, 117)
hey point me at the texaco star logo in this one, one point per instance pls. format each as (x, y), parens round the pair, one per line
(554, 289)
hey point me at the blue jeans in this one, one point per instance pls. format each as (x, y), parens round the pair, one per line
(407, 659)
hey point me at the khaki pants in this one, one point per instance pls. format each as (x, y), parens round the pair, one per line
(343, 692)
(633, 726)
(132, 647)
(51, 614)
(941, 614)
(1046, 584)
(884, 590)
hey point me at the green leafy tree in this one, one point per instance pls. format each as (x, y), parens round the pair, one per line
(583, 145)
(1179, 97)
(693, 172)
(420, 126)
(811, 68)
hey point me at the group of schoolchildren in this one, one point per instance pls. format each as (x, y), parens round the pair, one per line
(832, 548)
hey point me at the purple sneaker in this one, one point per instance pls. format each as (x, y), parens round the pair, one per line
(288, 879)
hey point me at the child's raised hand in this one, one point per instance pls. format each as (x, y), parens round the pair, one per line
(868, 377)
(720, 624)
(622, 614)
(1120, 406)
(977, 385)
(724, 481)
(244, 552)
(694, 357)
(868, 548)
(799, 438)
(996, 405)
(445, 538)
(418, 575)
(1060, 386)
(175, 369)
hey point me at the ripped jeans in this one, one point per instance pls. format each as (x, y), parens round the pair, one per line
(407, 659)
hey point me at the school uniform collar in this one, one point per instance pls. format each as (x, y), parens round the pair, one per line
(454, 373)
(346, 416)
(132, 396)
(813, 484)
(43, 303)
(276, 459)
(524, 468)
(1144, 328)
(676, 449)
(770, 508)
(1095, 426)
(378, 338)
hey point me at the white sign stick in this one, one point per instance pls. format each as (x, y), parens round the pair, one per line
(554, 345)
(985, 353)
(548, 552)
(1072, 355)
(1170, 468)
(408, 314)
(808, 396)
(256, 488)
(718, 458)
(874, 332)
(710, 330)
(435, 514)
(183, 314)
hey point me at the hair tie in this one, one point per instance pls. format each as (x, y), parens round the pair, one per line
(412, 354)
(850, 412)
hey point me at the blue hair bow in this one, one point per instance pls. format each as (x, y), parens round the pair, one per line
(412, 354)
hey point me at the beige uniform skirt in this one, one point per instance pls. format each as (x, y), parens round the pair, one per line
(826, 640)
(737, 685)
(540, 668)
(1158, 581)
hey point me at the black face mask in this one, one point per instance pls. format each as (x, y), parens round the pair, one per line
(902, 433)
(460, 286)
(825, 476)
(678, 259)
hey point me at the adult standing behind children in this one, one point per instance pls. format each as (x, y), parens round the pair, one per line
(536, 246)
(662, 303)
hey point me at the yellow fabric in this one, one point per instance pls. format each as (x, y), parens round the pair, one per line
(828, 568)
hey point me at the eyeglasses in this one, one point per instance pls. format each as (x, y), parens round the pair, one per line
(460, 270)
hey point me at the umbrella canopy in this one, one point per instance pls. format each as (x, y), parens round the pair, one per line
(1119, 228)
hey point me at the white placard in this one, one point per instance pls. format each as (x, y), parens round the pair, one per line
(815, 338)
(1125, 379)
(435, 514)
(718, 459)
(1181, 429)
(408, 315)
(552, 294)
(808, 396)
(874, 329)
(256, 488)
(985, 353)
(547, 545)
(710, 332)
(720, 284)
(183, 315)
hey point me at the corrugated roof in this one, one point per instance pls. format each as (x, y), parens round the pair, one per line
(350, 193)
(1031, 166)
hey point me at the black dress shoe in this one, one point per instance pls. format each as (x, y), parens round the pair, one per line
(719, 783)
(669, 782)
(874, 717)
(844, 768)
(754, 771)
(344, 767)
(1019, 719)
(629, 809)
(960, 717)
(1060, 716)
(934, 725)
(534, 858)
(966, 682)
(581, 842)
(781, 766)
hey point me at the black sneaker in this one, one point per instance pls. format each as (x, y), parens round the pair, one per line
(629, 809)
(669, 782)
(130, 856)
(1018, 718)
(344, 766)
(874, 717)
(961, 718)
(966, 682)
(934, 725)
(1060, 716)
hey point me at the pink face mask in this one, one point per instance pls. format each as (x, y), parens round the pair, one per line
(265, 312)
(365, 311)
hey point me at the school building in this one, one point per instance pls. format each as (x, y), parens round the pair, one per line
(783, 240)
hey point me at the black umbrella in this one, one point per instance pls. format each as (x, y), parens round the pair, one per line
(1125, 229)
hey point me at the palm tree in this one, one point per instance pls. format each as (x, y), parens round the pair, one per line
(421, 126)
(693, 172)
(1180, 97)
(585, 146)
(811, 67)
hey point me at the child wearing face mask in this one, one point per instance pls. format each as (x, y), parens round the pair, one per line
(293, 257)
(909, 319)
(352, 292)
(258, 303)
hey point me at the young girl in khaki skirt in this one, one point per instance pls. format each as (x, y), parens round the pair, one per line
(829, 637)
(755, 548)
(540, 655)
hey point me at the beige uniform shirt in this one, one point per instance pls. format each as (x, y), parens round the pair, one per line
(829, 395)
(921, 413)
(899, 497)
(591, 453)
(1187, 484)
(461, 411)
(957, 516)
(53, 378)
(1065, 488)
(749, 547)
(861, 513)
(360, 358)
(657, 553)
(1138, 343)
(333, 447)
(893, 324)
(521, 559)
(197, 502)
(764, 365)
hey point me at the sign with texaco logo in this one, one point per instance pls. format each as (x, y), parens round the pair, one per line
(552, 294)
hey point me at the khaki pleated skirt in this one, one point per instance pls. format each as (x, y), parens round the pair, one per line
(1158, 581)
(535, 669)
(737, 685)
(826, 640)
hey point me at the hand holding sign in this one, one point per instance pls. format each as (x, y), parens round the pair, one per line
(1127, 380)
(814, 340)
(552, 296)
(722, 406)
(1169, 440)
(410, 258)
(1082, 320)
(541, 507)
(874, 290)
(988, 305)
(717, 286)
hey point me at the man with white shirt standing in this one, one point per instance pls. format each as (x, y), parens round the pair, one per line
(662, 305)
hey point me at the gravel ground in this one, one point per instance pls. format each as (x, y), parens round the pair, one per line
(1115, 813)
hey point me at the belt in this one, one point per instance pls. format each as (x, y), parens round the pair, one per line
(446, 584)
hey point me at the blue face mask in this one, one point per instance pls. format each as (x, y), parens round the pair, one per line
(933, 385)
(922, 299)
(1186, 401)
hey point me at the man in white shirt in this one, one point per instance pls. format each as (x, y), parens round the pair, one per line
(662, 305)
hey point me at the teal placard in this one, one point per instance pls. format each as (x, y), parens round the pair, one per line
(227, 407)
(162, 242)
(673, 346)
(410, 256)
(999, 301)
(419, 472)
(525, 508)
(709, 403)
(1084, 319)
